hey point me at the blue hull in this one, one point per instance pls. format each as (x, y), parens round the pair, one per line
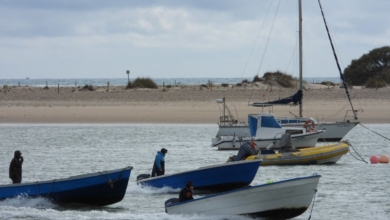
(101, 188)
(214, 178)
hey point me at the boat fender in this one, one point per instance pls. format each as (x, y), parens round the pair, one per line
(270, 146)
(143, 176)
(309, 125)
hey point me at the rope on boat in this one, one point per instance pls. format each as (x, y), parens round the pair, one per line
(361, 158)
(337, 61)
(314, 199)
(36, 187)
(258, 36)
(374, 132)
(112, 182)
(266, 45)
(51, 186)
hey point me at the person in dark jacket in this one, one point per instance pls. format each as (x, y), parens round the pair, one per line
(186, 192)
(159, 163)
(15, 167)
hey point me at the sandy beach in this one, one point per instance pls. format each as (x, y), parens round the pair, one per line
(185, 104)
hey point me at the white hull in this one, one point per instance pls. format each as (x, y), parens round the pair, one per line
(331, 160)
(335, 131)
(283, 199)
(234, 143)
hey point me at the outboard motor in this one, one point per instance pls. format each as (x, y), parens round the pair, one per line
(143, 176)
(286, 144)
(171, 201)
(244, 152)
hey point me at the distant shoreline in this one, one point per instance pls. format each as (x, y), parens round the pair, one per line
(182, 104)
(123, 81)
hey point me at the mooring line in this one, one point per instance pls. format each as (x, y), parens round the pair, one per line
(374, 132)
(314, 199)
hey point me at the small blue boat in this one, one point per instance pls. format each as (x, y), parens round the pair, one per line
(99, 189)
(219, 177)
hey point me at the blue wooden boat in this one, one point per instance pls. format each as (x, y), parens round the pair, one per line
(100, 188)
(219, 177)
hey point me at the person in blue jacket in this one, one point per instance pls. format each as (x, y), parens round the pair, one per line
(159, 163)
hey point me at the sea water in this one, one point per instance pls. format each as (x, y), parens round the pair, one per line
(350, 189)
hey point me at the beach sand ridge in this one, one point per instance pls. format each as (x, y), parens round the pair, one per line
(184, 104)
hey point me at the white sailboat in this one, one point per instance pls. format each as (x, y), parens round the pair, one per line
(335, 131)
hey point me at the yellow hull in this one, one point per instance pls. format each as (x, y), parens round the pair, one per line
(327, 154)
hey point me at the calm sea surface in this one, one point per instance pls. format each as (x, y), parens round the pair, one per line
(351, 189)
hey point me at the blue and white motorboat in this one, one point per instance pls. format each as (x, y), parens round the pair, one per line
(265, 130)
(219, 177)
(99, 189)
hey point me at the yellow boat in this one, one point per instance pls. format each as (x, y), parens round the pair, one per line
(326, 154)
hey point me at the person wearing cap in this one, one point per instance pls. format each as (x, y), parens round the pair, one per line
(159, 163)
(186, 192)
(15, 167)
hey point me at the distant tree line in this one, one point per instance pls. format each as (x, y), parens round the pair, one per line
(370, 70)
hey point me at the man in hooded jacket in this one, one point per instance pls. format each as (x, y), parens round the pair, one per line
(186, 192)
(159, 163)
(15, 167)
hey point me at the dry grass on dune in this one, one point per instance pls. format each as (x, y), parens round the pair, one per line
(32, 96)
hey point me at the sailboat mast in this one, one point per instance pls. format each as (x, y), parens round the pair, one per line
(300, 53)
(224, 107)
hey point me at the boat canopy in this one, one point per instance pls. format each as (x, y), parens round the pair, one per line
(294, 99)
(263, 121)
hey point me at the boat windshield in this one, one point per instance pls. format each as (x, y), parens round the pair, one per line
(269, 122)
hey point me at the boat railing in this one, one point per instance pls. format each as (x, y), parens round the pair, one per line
(227, 120)
(227, 117)
(352, 117)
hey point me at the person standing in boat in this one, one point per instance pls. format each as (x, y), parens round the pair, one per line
(15, 167)
(186, 192)
(159, 163)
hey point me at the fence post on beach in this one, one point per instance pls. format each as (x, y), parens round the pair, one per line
(211, 85)
(75, 84)
(58, 88)
(18, 84)
(163, 86)
(108, 86)
(5, 88)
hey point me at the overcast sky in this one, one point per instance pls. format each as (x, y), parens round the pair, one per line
(183, 39)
